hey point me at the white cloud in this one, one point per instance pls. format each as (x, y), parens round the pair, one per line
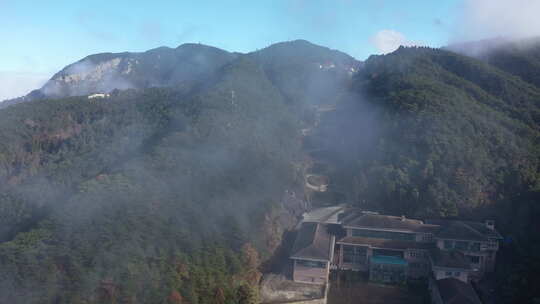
(487, 18)
(387, 41)
(16, 84)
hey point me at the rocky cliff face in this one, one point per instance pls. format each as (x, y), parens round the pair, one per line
(155, 68)
(160, 67)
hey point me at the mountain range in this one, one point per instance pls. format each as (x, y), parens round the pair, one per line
(179, 182)
(165, 67)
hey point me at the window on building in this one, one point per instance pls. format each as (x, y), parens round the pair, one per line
(475, 246)
(387, 273)
(354, 254)
(474, 259)
(462, 245)
(428, 237)
(389, 235)
(416, 254)
(448, 244)
(312, 264)
(493, 243)
(448, 273)
(457, 274)
(348, 254)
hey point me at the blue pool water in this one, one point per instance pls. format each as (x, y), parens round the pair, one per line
(384, 259)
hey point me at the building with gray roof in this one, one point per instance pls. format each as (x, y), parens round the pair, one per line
(390, 248)
(452, 291)
(312, 252)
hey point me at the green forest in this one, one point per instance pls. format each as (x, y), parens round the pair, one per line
(174, 194)
(149, 196)
(429, 133)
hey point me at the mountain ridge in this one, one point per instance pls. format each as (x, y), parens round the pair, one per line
(104, 72)
(186, 189)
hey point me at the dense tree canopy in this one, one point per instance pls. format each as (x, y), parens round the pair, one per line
(167, 195)
(144, 196)
(430, 133)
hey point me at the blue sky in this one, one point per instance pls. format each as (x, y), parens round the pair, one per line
(40, 37)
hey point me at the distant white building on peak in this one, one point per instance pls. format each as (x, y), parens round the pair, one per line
(98, 95)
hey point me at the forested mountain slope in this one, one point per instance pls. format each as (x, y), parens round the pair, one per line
(518, 57)
(430, 133)
(145, 194)
(155, 195)
(168, 194)
(305, 73)
(448, 134)
(160, 67)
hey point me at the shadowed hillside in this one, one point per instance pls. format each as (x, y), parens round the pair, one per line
(430, 133)
(172, 190)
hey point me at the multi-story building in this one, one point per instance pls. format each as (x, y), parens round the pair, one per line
(392, 249)
(475, 242)
(312, 252)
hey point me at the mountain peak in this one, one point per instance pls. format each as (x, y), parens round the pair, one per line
(165, 66)
(158, 67)
(298, 45)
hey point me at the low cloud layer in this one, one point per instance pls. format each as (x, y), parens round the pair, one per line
(491, 18)
(16, 84)
(387, 41)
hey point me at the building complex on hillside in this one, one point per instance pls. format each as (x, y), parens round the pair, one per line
(313, 251)
(392, 249)
(452, 291)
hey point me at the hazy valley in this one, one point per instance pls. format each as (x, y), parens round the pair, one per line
(179, 183)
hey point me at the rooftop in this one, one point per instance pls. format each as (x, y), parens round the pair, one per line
(361, 219)
(312, 242)
(328, 215)
(384, 243)
(454, 291)
(481, 227)
(464, 230)
(449, 259)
